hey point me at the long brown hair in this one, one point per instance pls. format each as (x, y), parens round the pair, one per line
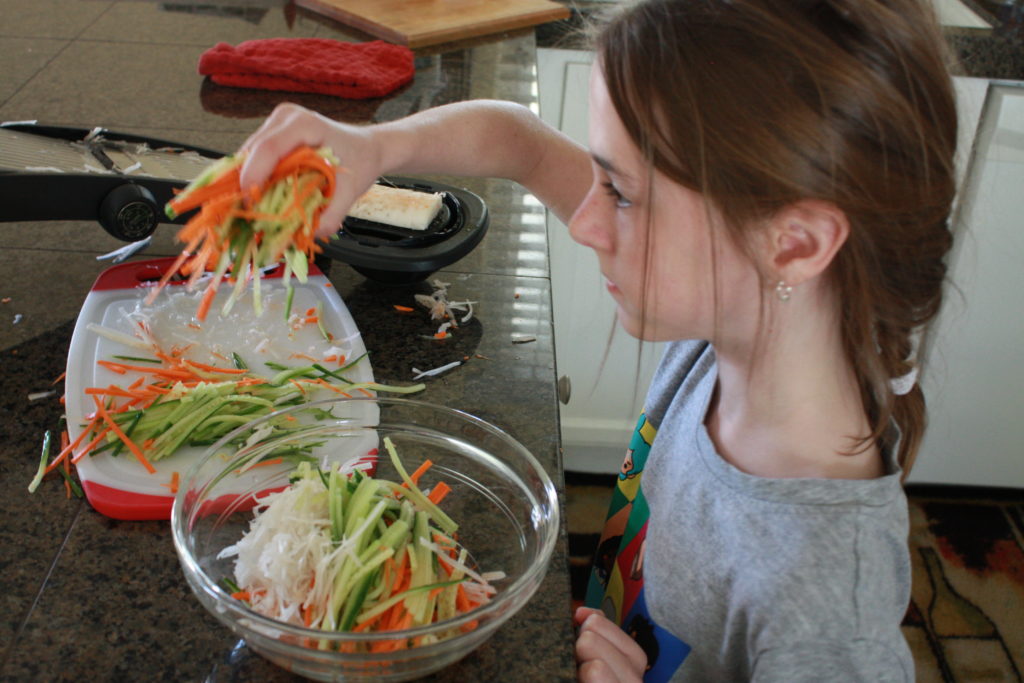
(757, 104)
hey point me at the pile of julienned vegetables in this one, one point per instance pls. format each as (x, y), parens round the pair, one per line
(350, 552)
(173, 402)
(241, 230)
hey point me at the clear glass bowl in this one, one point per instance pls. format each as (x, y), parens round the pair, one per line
(503, 500)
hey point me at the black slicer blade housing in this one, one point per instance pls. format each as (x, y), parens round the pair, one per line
(123, 181)
(394, 255)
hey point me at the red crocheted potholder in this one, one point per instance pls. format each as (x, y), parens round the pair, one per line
(318, 65)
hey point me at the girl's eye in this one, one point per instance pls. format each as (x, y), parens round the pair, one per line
(620, 201)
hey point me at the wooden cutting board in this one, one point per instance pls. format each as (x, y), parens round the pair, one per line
(418, 23)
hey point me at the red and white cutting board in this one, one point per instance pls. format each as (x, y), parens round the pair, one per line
(119, 486)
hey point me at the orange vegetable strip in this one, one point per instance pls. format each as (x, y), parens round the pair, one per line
(173, 483)
(462, 601)
(214, 368)
(169, 273)
(70, 447)
(265, 463)
(404, 309)
(242, 595)
(438, 493)
(102, 412)
(415, 476)
(64, 438)
(369, 622)
(59, 377)
(121, 368)
(206, 301)
(91, 445)
(226, 182)
(304, 356)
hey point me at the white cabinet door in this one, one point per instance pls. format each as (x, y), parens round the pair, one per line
(608, 373)
(974, 376)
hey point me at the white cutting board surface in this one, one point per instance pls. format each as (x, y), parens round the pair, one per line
(120, 486)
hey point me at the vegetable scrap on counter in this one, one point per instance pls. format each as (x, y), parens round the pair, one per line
(419, 374)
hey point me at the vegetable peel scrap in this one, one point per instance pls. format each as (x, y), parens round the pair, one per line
(242, 231)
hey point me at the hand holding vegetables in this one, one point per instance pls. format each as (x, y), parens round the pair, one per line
(292, 127)
(242, 229)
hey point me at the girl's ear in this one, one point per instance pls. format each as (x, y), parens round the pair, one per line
(804, 238)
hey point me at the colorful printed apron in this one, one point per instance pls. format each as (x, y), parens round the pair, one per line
(617, 583)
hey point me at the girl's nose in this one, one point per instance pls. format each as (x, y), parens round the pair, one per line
(589, 227)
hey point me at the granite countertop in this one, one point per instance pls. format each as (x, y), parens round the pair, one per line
(996, 53)
(86, 597)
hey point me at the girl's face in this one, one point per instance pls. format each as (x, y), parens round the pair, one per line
(653, 240)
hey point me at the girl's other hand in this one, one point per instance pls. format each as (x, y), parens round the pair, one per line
(290, 126)
(604, 652)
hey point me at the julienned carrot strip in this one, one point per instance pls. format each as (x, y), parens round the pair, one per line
(368, 623)
(206, 301)
(102, 412)
(91, 445)
(403, 309)
(415, 476)
(172, 485)
(170, 272)
(66, 450)
(304, 356)
(225, 182)
(59, 377)
(265, 463)
(67, 466)
(121, 368)
(214, 368)
(438, 493)
(241, 595)
(462, 601)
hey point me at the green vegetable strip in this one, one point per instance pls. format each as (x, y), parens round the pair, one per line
(43, 458)
(416, 495)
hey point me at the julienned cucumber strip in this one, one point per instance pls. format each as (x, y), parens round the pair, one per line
(43, 458)
(416, 495)
(395, 599)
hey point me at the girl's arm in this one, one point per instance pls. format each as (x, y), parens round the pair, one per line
(480, 138)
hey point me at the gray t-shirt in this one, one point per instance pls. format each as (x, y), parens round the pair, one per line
(783, 580)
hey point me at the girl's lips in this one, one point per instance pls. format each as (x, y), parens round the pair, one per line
(611, 286)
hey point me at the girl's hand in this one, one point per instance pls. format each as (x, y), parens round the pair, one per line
(604, 652)
(290, 126)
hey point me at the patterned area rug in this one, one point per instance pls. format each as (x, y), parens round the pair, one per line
(965, 621)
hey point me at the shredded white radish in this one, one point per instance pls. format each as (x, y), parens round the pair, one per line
(436, 371)
(117, 336)
(287, 542)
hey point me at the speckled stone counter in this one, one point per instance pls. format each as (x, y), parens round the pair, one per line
(996, 53)
(85, 597)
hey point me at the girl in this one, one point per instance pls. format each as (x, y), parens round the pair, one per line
(767, 186)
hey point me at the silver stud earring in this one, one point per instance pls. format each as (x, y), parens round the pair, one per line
(783, 291)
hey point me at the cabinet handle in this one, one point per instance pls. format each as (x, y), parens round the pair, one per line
(564, 389)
